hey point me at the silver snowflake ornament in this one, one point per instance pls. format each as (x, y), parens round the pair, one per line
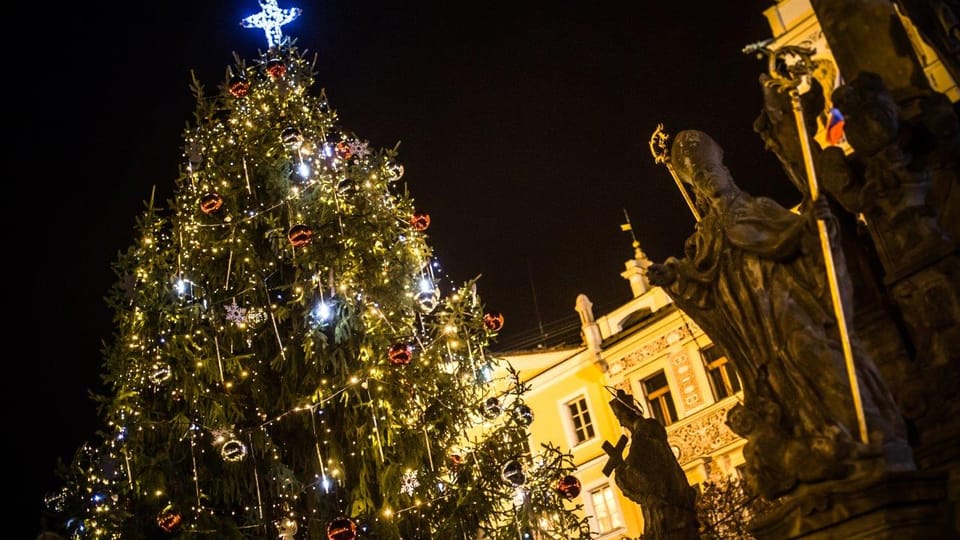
(409, 483)
(358, 148)
(235, 313)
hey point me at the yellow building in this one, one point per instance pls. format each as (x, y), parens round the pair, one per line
(650, 349)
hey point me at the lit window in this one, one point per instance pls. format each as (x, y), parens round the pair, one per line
(723, 376)
(580, 419)
(606, 513)
(658, 395)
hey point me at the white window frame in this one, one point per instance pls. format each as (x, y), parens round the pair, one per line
(587, 496)
(568, 427)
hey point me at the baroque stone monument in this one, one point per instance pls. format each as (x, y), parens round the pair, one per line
(753, 278)
(842, 316)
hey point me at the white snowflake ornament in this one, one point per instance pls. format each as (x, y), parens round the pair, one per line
(236, 314)
(409, 483)
(358, 148)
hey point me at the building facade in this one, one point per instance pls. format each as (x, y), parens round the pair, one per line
(648, 348)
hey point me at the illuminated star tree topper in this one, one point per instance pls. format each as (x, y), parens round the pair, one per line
(270, 20)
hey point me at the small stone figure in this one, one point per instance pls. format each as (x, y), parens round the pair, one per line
(753, 277)
(903, 180)
(651, 476)
(884, 182)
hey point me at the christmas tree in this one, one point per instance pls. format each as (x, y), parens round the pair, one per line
(289, 360)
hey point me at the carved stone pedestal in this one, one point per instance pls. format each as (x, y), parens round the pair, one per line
(901, 505)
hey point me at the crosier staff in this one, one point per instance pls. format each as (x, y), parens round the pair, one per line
(661, 154)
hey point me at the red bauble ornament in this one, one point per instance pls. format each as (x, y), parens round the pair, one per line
(493, 321)
(569, 486)
(276, 68)
(239, 86)
(299, 235)
(420, 221)
(342, 528)
(344, 150)
(456, 460)
(400, 354)
(168, 519)
(211, 202)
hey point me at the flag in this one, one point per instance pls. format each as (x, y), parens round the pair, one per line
(835, 126)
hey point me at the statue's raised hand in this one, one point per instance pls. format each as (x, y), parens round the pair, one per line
(661, 275)
(821, 209)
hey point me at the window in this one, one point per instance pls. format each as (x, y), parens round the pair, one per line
(723, 376)
(658, 395)
(606, 512)
(580, 419)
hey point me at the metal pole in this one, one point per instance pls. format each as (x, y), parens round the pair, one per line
(802, 68)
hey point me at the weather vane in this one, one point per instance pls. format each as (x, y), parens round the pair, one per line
(270, 20)
(661, 154)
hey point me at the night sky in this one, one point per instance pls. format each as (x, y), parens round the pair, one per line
(523, 130)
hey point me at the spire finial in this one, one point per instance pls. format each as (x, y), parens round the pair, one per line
(628, 227)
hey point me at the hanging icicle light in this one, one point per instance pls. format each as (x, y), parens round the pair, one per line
(321, 311)
(303, 170)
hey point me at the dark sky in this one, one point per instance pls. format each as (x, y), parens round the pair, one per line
(523, 130)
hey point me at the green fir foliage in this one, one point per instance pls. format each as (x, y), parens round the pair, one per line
(288, 351)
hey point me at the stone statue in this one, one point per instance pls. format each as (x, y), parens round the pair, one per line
(651, 476)
(874, 318)
(903, 179)
(753, 277)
